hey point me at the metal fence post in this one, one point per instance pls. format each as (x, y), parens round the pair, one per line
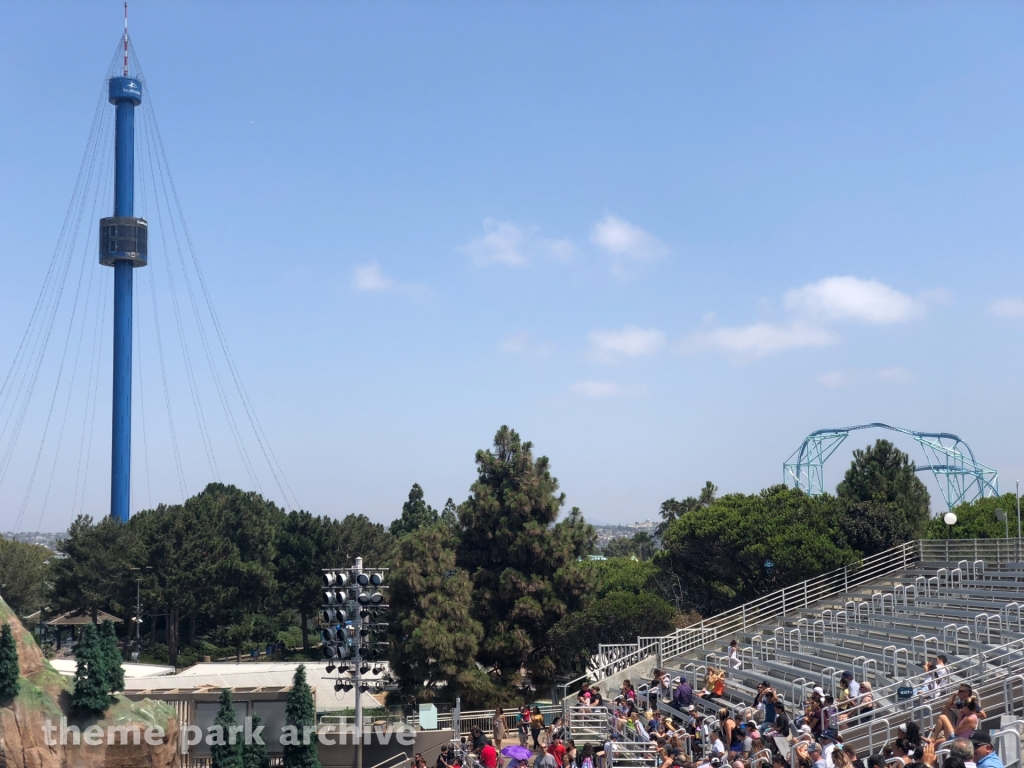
(457, 716)
(846, 578)
(805, 594)
(783, 601)
(744, 617)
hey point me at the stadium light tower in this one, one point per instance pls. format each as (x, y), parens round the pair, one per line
(123, 246)
(351, 634)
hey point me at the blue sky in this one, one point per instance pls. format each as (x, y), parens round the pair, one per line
(664, 241)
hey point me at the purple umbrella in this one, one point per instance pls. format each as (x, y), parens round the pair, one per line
(517, 752)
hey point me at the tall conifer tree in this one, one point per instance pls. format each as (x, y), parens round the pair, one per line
(223, 753)
(299, 712)
(9, 670)
(91, 693)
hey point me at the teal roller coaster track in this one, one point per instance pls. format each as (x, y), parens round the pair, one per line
(960, 477)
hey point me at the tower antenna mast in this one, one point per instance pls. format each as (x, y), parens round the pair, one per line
(126, 38)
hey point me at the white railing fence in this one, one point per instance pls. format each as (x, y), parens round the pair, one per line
(968, 553)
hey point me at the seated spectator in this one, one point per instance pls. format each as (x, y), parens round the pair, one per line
(963, 749)
(781, 724)
(489, 756)
(967, 721)
(814, 753)
(714, 684)
(682, 696)
(736, 742)
(595, 697)
(958, 701)
(851, 755)
(866, 707)
(838, 759)
(767, 705)
(583, 698)
(828, 746)
(901, 749)
(984, 752)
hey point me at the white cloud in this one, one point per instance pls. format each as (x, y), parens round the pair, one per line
(832, 379)
(369, 277)
(758, 339)
(502, 243)
(1007, 307)
(629, 245)
(561, 249)
(596, 389)
(505, 242)
(850, 298)
(521, 343)
(631, 341)
(895, 373)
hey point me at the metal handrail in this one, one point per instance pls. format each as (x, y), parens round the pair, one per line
(392, 761)
(613, 658)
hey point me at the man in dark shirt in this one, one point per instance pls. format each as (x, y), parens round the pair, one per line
(682, 697)
(479, 740)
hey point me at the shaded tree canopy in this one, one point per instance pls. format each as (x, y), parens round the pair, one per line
(416, 514)
(10, 670)
(977, 520)
(671, 510)
(882, 501)
(434, 635)
(522, 562)
(716, 556)
(23, 571)
(626, 604)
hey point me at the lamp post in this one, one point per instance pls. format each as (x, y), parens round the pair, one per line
(950, 520)
(1002, 517)
(42, 603)
(1018, 520)
(138, 605)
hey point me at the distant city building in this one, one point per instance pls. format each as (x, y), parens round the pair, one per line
(48, 540)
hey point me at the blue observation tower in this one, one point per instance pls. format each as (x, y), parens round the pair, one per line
(124, 246)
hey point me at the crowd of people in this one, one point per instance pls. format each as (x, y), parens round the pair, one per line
(766, 731)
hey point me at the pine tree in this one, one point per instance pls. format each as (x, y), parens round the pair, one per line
(254, 754)
(524, 564)
(416, 514)
(9, 670)
(225, 754)
(435, 638)
(91, 694)
(113, 672)
(298, 712)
